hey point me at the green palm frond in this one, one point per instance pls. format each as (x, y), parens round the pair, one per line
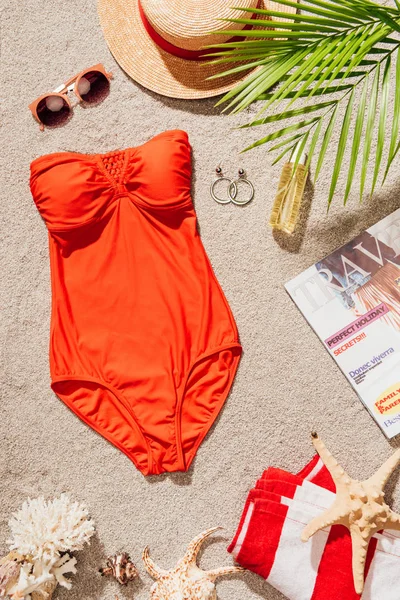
(329, 66)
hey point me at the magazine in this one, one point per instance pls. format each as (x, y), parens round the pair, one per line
(351, 299)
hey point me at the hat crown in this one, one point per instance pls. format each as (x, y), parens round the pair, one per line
(188, 23)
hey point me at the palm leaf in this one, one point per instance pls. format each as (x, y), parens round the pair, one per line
(321, 92)
(282, 154)
(396, 119)
(285, 142)
(244, 88)
(303, 69)
(299, 27)
(252, 91)
(300, 146)
(313, 144)
(341, 146)
(369, 130)
(304, 6)
(272, 33)
(282, 66)
(355, 54)
(356, 140)
(324, 9)
(330, 48)
(295, 17)
(383, 16)
(329, 68)
(325, 142)
(241, 68)
(281, 132)
(356, 50)
(290, 113)
(382, 122)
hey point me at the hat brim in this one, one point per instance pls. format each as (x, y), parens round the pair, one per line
(150, 65)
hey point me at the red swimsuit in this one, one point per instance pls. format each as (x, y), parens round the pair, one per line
(143, 345)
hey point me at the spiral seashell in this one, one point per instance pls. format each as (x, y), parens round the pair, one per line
(186, 580)
(120, 567)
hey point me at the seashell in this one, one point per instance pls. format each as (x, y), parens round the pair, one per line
(14, 556)
(9, 572)
(359, 505)
(46, 591)
(120, 567)
(186, 580)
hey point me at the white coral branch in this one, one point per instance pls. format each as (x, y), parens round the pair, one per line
(44, 532)
(48, 528)
(66, 564)
(31, 578)
(34, 577)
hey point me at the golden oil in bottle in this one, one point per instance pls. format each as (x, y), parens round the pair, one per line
(287, 203)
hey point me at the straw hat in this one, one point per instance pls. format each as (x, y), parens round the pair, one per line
(158, 42)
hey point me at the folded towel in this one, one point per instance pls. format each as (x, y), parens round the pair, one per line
(268, 541)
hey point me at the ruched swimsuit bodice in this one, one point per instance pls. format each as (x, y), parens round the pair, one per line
(143, 344)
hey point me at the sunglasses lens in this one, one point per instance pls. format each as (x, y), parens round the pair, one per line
(93, 87)
(53, 111)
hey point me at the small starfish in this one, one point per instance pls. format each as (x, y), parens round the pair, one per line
(186, 580)
(359, 506)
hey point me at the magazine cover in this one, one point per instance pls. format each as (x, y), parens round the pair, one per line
(351, 299)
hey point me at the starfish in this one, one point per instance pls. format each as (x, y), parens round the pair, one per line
(186, 580)
(359, 506)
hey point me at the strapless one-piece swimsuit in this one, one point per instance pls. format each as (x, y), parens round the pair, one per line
(143, 344)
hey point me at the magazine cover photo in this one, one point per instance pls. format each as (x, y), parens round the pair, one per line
(351, 299)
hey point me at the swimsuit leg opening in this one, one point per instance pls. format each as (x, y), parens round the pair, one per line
(235, 350)
(88, 386)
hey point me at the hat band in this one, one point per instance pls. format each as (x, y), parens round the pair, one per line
(175, 50)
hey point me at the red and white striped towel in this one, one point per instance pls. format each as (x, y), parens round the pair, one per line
(268, 541)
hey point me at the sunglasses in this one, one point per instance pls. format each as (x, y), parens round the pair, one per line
(90, 86)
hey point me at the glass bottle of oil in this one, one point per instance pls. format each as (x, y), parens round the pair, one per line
(287, 203)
